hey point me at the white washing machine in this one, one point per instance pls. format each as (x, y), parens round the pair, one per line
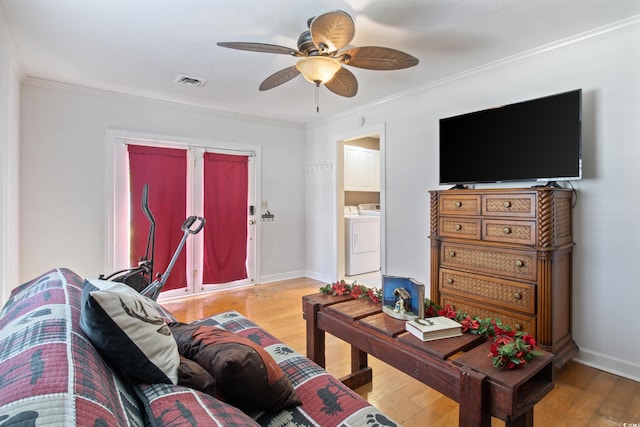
(369, 209)
(362, 242)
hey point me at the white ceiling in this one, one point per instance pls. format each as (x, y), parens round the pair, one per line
(140, 46)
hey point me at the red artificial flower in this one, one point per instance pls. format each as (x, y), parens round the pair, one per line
(493, 349)
(373, 296)
(529, 340)
(447, 311)
(430, 312)
(356, 292)
(498, 330)
(469, 324)
(340, 288)
(503, 339)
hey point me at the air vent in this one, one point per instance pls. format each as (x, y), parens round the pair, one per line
(190, 80)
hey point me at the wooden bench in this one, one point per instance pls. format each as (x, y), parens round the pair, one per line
(456, 367)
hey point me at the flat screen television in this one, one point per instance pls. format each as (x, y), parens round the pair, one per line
(535, 140)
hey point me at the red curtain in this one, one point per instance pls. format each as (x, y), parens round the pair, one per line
(225, 210)
(165, 171)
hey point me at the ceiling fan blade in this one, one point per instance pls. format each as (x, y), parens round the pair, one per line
(344, 83)
(377, 58)
(260, 47)
(279, 77)
(332, 31)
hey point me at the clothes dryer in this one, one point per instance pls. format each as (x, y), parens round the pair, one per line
(362, 243)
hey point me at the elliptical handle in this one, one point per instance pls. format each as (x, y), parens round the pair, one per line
(145, 205)
(151, 237)
(188, 224)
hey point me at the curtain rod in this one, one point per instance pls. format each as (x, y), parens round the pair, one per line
(132, 141)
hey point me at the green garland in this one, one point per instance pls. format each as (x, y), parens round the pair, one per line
(356, 290)
(508, 350)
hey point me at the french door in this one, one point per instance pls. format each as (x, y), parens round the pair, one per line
(216, 183)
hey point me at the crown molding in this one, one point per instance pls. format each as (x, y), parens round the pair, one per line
(581, 39)
(104, 93)
(592, 36)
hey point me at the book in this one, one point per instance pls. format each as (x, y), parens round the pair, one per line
(433, 328)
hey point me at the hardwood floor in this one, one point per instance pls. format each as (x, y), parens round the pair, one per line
(583, 396)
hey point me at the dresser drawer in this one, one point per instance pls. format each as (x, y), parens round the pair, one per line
(519, 323)
(512, 263)
(504, 293)
(509, 205)
(509, 231)
(466, 228)
(463, 204)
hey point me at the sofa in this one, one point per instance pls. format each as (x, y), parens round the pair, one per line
(59, 365)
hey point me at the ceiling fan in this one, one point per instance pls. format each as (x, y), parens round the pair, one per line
(321, 59)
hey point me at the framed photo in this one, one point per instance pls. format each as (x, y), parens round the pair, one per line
(402, 297)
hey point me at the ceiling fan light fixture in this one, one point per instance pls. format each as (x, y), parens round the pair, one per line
(318, 69)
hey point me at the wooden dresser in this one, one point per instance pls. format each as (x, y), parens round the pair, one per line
(507, 253)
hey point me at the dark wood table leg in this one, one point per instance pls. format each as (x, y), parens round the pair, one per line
(315, 336)
(524, 420)
(473, 408)
(359, 359)
(361, 373)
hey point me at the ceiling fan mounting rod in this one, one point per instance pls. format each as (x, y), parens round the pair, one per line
(317, 82)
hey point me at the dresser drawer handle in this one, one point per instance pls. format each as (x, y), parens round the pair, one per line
(458, 227)
(506, 230)
(517, 327)
(449, 281)
(506, 204)
(458, 204)
(519, 263)
(517, 295)
(452, 254)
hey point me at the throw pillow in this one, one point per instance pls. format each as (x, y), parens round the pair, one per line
(246, 375)
(129, 332)
(174, 405)
(192, 375)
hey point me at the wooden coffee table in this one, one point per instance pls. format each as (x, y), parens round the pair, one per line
(456, 367)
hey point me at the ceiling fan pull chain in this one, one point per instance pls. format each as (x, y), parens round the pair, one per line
(317, 97)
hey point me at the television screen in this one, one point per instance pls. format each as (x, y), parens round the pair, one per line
(535, 140)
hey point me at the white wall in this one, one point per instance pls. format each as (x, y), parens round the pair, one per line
(606, 65)
(10, 76)
(63, 173)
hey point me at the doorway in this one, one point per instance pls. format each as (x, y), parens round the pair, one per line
(194, 249)
(360, 202)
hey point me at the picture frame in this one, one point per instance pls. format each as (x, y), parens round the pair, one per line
(402, 297)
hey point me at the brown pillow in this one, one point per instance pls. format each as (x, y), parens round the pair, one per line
(192, 375)
(245, 374)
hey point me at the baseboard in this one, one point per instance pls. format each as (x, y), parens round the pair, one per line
(320, 277)
(623, 368)
(269, 278)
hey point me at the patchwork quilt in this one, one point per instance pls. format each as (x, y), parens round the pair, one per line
(51, 374)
